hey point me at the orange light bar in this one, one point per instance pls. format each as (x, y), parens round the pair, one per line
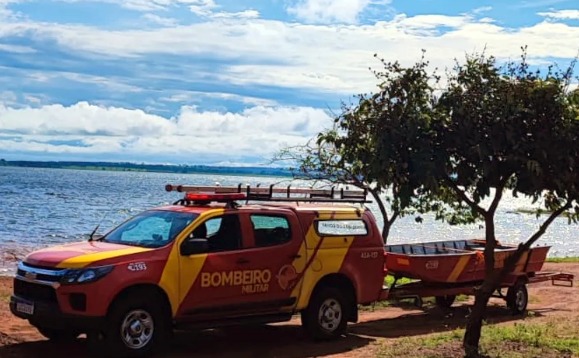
(214, 197)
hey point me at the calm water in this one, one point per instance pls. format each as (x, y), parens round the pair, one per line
(42, 207)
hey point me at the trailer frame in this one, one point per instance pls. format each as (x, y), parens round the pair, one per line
(445, 292)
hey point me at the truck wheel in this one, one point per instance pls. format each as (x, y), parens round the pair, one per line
(517, 297)
(445, 301)
(58, 335)
(326, 317)
(136, 326)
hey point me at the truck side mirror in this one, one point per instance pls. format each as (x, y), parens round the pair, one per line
(194, 246)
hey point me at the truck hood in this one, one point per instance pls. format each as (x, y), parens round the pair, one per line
(79, 254)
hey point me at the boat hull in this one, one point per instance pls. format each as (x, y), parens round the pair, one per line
(456, 261)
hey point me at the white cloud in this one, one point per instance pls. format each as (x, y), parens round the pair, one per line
(258, 131)
(482, 9)
(16, 48)
(159, 20)
(197, 97)
(561, 14)
(328, 11)
(327, 58)
(245, 14)
(202, 7)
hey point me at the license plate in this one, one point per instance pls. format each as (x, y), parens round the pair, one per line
(27, 308)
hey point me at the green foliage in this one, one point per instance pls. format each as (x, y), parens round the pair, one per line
(509, 127)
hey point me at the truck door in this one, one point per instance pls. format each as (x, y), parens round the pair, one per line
(212, 283)
(276, 253)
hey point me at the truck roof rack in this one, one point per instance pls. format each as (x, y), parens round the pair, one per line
(270, 193)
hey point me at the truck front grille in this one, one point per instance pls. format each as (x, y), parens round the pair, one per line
(34, 291)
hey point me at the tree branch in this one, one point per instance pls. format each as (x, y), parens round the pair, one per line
(462, 195)
(498, 194)
(545, 225)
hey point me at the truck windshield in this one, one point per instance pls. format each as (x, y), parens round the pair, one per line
(153, 228)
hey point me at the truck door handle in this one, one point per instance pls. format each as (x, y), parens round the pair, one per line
(296, 256)
(242, 261)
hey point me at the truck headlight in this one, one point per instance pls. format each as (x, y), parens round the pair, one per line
(86, 275)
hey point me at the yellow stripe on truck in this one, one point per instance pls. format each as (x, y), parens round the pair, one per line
(328, 260)
(178, 284)
(86, 259)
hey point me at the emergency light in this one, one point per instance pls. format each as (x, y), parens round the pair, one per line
(191, 196)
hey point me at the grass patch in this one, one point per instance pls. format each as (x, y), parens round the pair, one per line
(561, 337)
(4, 297)
(389, 280)
(554, 338)
(461, 298)
(563, 259)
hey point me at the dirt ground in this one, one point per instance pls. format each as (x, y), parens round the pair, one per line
(375, 330)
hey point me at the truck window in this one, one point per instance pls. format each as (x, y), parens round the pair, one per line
(154, 228)
(341, 227)
(269, 230)
(223, 233)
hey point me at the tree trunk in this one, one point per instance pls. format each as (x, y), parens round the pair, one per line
(493, 279)
(474, 323)
(384, 213)
(483, 293)
(385, 231)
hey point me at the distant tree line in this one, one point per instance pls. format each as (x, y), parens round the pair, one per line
(160, 168)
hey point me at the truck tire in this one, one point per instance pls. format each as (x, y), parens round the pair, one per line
(517, 297)
(58, 335)
(326, 316)
(137, 326)
(445, 301)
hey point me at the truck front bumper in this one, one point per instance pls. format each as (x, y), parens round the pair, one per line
(49, 315)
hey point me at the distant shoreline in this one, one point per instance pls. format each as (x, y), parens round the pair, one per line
(150, 168)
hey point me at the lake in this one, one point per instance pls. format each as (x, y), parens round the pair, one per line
(42, 207)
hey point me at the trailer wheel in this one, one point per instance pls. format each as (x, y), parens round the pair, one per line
(326, 317)
(445, 301)
(517, 297)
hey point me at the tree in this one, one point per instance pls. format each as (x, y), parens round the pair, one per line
(347, 153)
(488, 130)
(502, 128)
(450, 147)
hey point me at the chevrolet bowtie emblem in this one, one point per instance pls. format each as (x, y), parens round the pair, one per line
(30, 275)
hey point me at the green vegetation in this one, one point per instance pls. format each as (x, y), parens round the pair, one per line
(539, 211)
(554, 338)
(563, 259)
(159, 168)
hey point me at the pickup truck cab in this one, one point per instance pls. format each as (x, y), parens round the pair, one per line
(205, 261)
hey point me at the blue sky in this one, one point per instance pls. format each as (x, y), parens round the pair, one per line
(229, 81)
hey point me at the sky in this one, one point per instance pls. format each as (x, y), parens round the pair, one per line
(230, 82)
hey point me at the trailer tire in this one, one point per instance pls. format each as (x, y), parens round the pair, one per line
(326, 316)
(136, 326)
(445, 301)
(518, 298)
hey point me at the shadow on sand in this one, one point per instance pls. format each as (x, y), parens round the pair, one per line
(284, 340)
